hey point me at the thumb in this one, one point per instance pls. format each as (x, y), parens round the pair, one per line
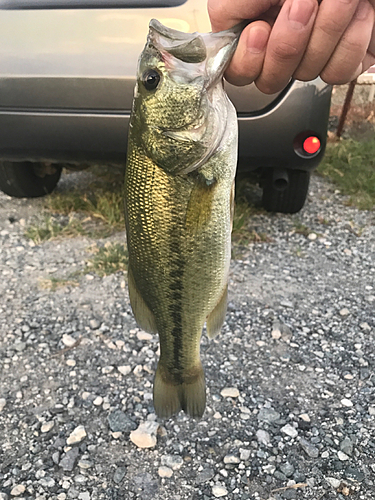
(227, 13)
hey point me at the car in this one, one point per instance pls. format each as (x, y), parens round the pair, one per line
(67, 75)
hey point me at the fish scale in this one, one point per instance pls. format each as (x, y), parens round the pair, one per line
(179, 197)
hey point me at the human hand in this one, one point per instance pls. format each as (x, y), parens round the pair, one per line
(333, 39)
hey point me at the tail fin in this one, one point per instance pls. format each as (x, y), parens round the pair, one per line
(188, 393)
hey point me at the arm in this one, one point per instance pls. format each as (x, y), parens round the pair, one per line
(333, 39)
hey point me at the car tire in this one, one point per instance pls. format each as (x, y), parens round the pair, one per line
(27, 179)
(290, 198)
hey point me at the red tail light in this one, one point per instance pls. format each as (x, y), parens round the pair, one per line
(311, 145)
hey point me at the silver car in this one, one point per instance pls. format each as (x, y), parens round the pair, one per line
(67, 74)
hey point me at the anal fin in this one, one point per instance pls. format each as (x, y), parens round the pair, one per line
(143, 316)
(216, 317)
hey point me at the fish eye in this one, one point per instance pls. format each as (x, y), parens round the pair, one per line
(150, 79)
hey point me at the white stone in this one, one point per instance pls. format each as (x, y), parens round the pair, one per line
(371, 410)
(276, 334)
(124, 370)
(18, 490)
(263, 437)
(344, 312)
(77, 435)
(289, 431)
(312, 236)
(230, 392)
(335, 483)
(175, 462)
(346, 402)
(304, 417)
(231, 459)
(68, 340)
(107, 369)
(217, 415)
(98, 401)
(144, 336)
(145, 435)
(164, 471)
(47, 426)
(2, 404)
(244, 454)
(342, 456)
(71, 362)
(219, 491)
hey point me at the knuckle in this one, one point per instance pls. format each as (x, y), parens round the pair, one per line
(284, 51)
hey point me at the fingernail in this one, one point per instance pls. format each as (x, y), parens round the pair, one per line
(300, 13)
(257, 40)
(363, 10)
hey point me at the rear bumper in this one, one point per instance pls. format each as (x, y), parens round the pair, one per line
(265, 137)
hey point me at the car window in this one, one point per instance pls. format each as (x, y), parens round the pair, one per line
(87, 4)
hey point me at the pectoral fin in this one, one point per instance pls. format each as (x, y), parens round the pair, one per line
(216, 318)
(142, 313)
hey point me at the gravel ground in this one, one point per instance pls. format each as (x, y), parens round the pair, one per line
(291, 392)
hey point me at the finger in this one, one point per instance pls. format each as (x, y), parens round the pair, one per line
(352, 48)
(227, 13)
(333, 18)
(287, 43)
(247, 61)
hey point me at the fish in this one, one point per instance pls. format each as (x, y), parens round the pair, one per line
(179, 199)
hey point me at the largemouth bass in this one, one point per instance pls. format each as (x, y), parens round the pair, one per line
(179, 190)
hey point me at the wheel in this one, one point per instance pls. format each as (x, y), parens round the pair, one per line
(27, 179)
(285, 191)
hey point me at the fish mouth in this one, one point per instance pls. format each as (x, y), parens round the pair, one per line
(194, 131)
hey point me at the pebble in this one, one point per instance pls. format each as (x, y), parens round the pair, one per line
(125, 369)
(69, 459)
(204, 475)
(312, 236)
(305, 417)
(47, 426)
(2, 404)
(371, 410)
(287, 469)
(77, 435)
(245, 454)
(94, 324)
(164, 471)
(310, 449)
(335, 483)
(219, 491)
(3, 496)
(344, 312)
(144, 336)
(230, 392)
(118, 421)
(68, 340)
(346, 402)
(346, 446)
(145, 435)
(268, 415)
(231, 459)
(342, 456)
(18, 490)
(85, 495)
(98, 401)
(119, 475)
(289, 431)
(263, 437)
(175, 462)
(47, 482)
